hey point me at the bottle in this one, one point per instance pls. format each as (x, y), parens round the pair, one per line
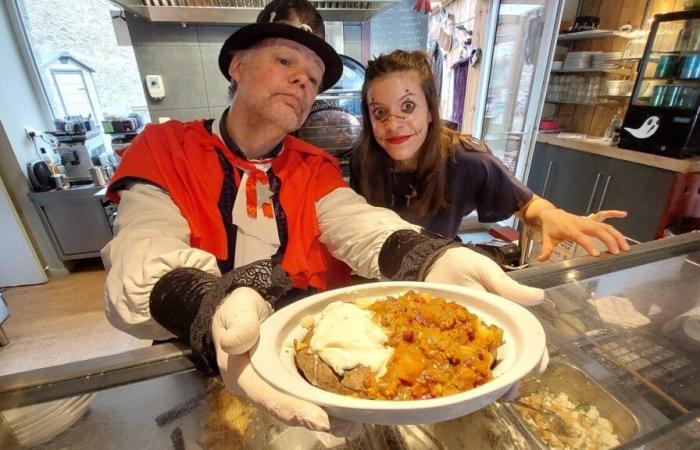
(612, 133)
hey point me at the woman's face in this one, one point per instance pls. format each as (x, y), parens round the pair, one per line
(398, 111)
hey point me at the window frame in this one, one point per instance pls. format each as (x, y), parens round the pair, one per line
(54, 71)
(14, 10)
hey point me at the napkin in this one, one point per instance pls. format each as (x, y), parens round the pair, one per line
(619, 311)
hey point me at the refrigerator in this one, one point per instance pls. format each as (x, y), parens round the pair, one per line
(663, 115)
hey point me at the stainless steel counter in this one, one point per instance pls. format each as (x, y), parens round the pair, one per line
(647, 359)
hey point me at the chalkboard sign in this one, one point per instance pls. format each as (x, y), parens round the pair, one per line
(399, 27)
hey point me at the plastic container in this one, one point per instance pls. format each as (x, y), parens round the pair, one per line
(667, 66)
(690, 66)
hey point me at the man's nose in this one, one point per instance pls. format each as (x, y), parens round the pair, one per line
(301, 79)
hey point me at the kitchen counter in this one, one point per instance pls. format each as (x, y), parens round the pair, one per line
(688, 165)
(76, 219)
(646, 374)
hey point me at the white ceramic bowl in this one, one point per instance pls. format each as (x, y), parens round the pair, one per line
(523, 336)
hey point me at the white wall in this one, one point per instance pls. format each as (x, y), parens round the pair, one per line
(20, 108)
(18, 263)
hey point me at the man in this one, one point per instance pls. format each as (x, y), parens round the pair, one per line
(220, 219)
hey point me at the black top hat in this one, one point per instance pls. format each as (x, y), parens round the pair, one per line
(278, 20)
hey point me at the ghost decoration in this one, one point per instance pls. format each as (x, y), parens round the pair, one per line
(648, 128)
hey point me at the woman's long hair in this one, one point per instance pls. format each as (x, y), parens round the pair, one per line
(375, 165)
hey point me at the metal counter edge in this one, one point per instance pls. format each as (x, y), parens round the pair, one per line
(555, 274)
(56, 382)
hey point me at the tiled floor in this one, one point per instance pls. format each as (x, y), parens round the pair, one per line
(59, 322)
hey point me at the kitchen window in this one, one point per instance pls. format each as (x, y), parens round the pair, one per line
(73, 93)
(85, 65)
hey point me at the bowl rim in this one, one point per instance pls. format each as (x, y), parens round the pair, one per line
(271, 342)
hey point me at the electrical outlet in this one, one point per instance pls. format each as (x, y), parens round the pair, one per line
(31, 133)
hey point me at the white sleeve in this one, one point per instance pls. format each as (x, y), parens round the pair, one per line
(151, 239)
(354, 231)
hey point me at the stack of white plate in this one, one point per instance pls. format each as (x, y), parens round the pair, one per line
(602, 60)
(37, 424)
(579, 60)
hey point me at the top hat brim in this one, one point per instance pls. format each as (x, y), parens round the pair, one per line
(249, 35)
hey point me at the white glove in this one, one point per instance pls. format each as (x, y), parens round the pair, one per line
(235, 328)
(468, 268)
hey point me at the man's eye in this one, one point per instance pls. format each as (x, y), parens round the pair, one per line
(378, 114)
(283, 61)
(408, 107)
(314, 81)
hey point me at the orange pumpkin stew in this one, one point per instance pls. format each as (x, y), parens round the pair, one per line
(440, 348)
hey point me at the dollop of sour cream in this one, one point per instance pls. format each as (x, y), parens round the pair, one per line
(345, 336)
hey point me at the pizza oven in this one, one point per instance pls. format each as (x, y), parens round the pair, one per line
(335, 121)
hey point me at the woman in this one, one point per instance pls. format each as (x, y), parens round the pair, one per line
(407, 160)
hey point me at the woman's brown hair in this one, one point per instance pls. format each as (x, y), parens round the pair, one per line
(439, 145)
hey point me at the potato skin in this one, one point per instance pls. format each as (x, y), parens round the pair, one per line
(321, 375)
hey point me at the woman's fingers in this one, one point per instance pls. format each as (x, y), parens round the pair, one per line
(584, 241)
(581, 229)
(601, 216)
(609, 235)
(547, 248)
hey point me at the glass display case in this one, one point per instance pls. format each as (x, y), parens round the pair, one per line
(623, 334)
(663, 115)
(335, 121)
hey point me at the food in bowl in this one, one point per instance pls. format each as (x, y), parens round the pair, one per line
(409, 347)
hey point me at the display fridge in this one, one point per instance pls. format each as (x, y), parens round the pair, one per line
(663, 115)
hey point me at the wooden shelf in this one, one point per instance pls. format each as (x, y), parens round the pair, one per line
(623, 60)
(610, 102)
(597, 34)
(625, 72)
(615, 97)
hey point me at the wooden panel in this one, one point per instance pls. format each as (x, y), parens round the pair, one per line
(631, 13)
(601, 120)
(678, 6)
(566, 115)
(661, 6)
(478, 26)
(583, 117)
(590, 7)
(609, 13)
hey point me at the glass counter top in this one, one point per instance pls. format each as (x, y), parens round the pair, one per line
(623, 334)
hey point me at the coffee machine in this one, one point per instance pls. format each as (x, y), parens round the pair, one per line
(78, 151)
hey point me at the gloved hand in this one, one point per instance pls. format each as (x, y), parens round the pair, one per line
(468, 268)
(235, 328)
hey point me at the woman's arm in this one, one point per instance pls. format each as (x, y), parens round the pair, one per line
(557, 225)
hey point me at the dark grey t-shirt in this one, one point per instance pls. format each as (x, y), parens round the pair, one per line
(476, 181)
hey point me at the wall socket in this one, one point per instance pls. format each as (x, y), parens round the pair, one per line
(31, 133)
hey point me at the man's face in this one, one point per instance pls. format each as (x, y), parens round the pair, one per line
(277, 81)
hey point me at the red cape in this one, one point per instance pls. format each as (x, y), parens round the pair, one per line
(181, 158)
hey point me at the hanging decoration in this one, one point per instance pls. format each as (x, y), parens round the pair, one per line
(422, 5)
